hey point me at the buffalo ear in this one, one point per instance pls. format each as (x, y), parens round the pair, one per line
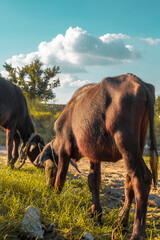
(40, 147)
(40, 160)
(33, 145)
(37, 162)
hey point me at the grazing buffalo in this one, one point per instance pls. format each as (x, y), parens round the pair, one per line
(15, 120)
(107, 121)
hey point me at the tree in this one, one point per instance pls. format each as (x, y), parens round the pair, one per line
(34, 80)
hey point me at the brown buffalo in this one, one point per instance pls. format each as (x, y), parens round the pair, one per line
(15, 120)
(107, 121)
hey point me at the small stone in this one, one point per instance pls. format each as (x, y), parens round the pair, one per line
(31, 223)
(88, 236)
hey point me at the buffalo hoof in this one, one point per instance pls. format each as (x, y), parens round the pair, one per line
(96, 214)
(117, 229)
(123, 221)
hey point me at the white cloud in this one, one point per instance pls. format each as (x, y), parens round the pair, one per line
(112, 37)
(21, 59)
(71, 80)
(79, 83)
(151, 41)
(4, 73)
(77, 49)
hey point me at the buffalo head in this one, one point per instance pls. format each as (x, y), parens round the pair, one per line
(49, 160)
(35, 147)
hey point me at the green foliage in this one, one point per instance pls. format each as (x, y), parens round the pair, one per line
(44, 115)
(39, 111)
(34, 80)
(157, 107)
(157, 120)
(69, 211)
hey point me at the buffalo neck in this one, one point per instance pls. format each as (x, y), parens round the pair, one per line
(27, 130)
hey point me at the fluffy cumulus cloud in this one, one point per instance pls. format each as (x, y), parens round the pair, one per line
(151, 41)
(77, 49)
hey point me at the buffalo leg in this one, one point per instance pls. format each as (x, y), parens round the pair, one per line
(94, 181)
(9, 145)
(129, 195)
(140, 179)
(16, 142)
(63, 164)
(141, 191)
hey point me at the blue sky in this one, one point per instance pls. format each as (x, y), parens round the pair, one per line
(88, 39)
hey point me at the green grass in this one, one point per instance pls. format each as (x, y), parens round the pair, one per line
(69, 211)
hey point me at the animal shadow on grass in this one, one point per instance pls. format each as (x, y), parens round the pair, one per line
(111, 191)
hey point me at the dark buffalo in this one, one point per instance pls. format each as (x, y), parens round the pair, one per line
(15, 120)
(107, 121)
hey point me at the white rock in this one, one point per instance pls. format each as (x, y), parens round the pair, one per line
(88, 236)
(31, 223)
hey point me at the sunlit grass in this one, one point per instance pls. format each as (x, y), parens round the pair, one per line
(69, 211)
